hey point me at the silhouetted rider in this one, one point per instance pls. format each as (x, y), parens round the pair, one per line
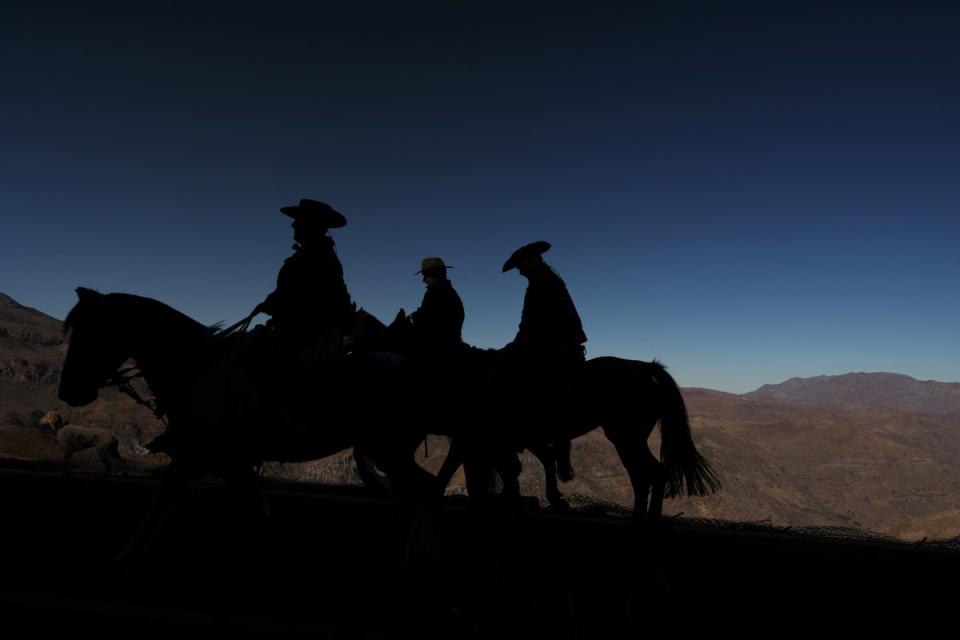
(550, 338)
(310, 312)
(536, 371)
(436, 325)
(310, 309)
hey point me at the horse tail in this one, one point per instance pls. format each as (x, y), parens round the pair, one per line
(481, 466)
(564, 467)
(483, 478)
(687, 470)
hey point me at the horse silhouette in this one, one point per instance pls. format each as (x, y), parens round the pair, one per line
(626, 398)
(218, 420)
(371, 403)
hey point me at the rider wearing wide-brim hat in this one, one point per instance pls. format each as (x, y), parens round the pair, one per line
(315, 212)
(547, 355)
(550, 329)
(311, 301)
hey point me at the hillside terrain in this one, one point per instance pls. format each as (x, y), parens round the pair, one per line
(871, 451)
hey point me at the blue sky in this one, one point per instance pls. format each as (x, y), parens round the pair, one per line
(746, 191)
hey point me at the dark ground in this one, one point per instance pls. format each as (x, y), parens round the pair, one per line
(330, 564)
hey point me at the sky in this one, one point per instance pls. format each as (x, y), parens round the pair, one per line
(745, 191)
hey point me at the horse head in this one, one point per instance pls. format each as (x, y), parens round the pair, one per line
(368, 333)
(106, 330)
(96, 349)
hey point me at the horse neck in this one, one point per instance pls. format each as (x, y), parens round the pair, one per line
(168, 365)
(371, 335)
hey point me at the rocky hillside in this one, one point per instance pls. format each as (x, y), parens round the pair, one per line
(876, 451)
(891, 472)
(894, 472)
(32, 349)
(31, 345)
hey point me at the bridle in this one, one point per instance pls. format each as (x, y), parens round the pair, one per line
(122, 378)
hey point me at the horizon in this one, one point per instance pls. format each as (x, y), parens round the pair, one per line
(822, 375)
(745, 193)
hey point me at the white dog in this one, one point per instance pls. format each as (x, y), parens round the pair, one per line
(72, 438)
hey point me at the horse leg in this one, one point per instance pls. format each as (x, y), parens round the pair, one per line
(104, 456)
(480, 479)
(244, 482)
(175, 479)
(547, 457)
(561, 452)
(122, 462)
(66, 462)
(510, 475)
(412, 482)
(112, 453)
(368, 474)
(631, 450)
(450, 465)
(418, 502)
(658, 473)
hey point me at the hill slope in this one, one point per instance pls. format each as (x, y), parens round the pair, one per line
(875, 451)
(32, 350)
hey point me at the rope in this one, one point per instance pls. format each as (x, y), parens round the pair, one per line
(121, 380)
(239, 327)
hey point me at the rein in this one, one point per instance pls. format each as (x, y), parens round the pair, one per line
(121, 380)
(123, 377)
(239, 327)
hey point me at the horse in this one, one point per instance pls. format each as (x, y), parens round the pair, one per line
(216, 412)
(625, 398)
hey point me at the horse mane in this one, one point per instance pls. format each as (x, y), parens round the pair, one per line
(364, 315)
(72, 318)
(147, 311)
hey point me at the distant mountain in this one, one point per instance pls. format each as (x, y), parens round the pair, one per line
(31, 351)
(31, 344)
(866, 392)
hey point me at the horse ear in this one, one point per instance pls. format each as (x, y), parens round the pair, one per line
(87, 294)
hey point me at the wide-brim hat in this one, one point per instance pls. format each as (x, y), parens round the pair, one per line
(319, 212)
(526, 251)
(432, 264)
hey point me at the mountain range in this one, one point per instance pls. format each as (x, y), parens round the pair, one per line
(872, 451)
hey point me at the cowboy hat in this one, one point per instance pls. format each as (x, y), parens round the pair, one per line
(317, 211)
(431, 264)
(526, 251)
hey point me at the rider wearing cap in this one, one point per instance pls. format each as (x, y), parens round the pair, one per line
(437, 324)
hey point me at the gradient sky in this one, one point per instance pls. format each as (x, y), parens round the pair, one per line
(746, 191)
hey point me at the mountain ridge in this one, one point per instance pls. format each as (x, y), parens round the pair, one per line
(866, 391)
